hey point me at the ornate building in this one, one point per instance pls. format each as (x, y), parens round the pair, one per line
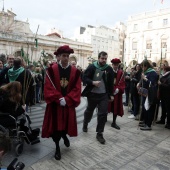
(148, 35)
(16, 38)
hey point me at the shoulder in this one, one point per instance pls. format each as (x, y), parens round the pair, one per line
(75, 71)
(90, 67)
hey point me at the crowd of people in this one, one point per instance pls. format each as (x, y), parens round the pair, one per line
(59, 84)
(155, 81)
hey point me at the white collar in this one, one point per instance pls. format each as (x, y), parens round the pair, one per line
(62, 66)
(115, 70)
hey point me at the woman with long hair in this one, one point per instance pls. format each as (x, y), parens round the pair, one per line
(10, 99)
(10, 104)
(149, 81)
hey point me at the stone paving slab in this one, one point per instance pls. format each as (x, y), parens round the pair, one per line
(125, 149)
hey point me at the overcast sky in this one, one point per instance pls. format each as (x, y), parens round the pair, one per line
(67, 15)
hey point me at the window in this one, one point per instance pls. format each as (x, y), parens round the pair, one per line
(150, 25)
(163, 44)
(149, 45)
(165, 22)
(135, 28)
(134, 46)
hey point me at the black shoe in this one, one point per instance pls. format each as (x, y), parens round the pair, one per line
(114, 125)
(146, 128)
(167, 126)
(66, 141)
(125, 104)
(100, 138)
(142, 125)
(36, 131)
(57, 155)
(85, 129)
(161, 122)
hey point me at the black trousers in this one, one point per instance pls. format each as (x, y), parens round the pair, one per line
(57, 135)
(101, 101)
(127, 91)
(166, 105)
(148, 114)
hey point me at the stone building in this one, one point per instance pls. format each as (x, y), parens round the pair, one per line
(16, 38)
(148, 35)
(101, 38)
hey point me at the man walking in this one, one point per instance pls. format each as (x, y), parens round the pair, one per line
(99, 80)
(62, 92)
(116, 107)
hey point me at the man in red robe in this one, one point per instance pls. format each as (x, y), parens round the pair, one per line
(62, 92)
(116, 107)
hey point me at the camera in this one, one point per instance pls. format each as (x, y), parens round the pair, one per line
(18, 166)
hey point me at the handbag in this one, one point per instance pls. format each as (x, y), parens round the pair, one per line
(143, 91)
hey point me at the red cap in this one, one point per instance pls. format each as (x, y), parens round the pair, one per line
(115, 61)
(63, 49)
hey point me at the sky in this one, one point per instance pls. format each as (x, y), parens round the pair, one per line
(67, 15)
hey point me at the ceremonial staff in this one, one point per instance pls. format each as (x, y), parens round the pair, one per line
(46, 71)
(36, 42)
(141, 98)
(28, 81)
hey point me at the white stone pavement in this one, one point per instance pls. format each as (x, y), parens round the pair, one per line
(125, 149)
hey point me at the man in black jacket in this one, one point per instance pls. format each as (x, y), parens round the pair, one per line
(99, 80)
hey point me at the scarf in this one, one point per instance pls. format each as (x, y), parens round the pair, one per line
(149, 70)
(168, 72)
(96, 64)
(13, 74)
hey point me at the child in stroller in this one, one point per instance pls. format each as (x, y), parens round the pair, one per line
(12, 113)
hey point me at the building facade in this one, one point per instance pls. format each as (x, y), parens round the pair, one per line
(16, 38)
(101, 38)
(120, 28)
(148, 36)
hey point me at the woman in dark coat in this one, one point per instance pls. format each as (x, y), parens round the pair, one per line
(149, 81)
(164, 89)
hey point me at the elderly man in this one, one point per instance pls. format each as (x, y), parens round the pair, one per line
(116, 107)
(73, 63)
(62, 93)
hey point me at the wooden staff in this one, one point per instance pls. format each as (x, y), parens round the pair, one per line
(34, 41)
(140, 108)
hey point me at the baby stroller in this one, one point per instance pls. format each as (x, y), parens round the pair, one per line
(21, 132)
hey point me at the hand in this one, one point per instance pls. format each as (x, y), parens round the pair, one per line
(9, 65)
(62, 101)
(111, 98)
(24, 107)
(159, 83)
(138, 86)
(116, 91)
(96, 83)
(143, 76)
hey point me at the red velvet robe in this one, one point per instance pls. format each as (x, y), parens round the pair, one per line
(58, 118)
(117, 104)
